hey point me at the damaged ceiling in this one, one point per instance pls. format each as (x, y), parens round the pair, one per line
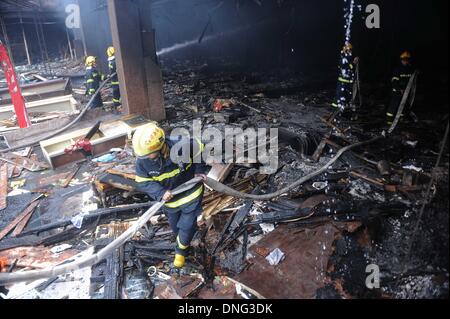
(26, 8)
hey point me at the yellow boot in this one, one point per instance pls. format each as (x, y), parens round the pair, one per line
(179, 261)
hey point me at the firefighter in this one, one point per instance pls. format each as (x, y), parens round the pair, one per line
(115, 79)
(93, 79)
(344, 91)
(400, 79)
(157, 174)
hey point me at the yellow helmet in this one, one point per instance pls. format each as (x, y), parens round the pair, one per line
(111, 51)
(148, 139)
(91, 60)
(405, 55)
(348, 46)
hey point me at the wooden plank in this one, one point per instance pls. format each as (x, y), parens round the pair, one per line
(328, 123)
(3, 186)
(15, 171)
(39, 77)
(318, 153)
(36, 257)
(403, 189)
(37, 89)
(367, 179)
(25, 153)
(66, 104)
(23, 223)
(120, 173)
(11, 169)
(209, 208)
(114, 274)
(71, 176)
(16, 221)
(27, 163)
(53, 179)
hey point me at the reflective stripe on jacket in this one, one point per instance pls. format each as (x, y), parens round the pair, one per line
(157, 176)
(93, 79)
(346, 68)
(401, 77)
(113, 69)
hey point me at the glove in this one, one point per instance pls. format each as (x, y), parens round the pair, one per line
(103, 77)
(182, 167)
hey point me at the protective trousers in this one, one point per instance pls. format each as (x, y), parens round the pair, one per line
(392, 110)
(183, 221)
(116, 95)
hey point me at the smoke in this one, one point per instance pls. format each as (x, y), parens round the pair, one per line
(186, 44)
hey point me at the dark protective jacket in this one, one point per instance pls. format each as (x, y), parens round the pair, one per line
(113, 69)
(156, 176)
(346, 68)
(402, 75)
(93, 78)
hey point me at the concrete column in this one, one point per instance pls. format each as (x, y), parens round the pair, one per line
(81, 34)
(139, 74)
(152, 68)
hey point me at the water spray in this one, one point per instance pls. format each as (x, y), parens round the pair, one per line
(349, 20)
(186, 44)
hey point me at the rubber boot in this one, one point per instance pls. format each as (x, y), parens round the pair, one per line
(179, 261)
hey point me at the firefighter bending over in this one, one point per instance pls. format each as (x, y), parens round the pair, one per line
(158, 174)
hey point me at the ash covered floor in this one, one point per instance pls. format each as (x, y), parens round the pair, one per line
(321, 240)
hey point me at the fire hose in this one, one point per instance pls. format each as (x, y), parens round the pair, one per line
(221, 188)
(410, 94)
(69, 125)
(89, 261)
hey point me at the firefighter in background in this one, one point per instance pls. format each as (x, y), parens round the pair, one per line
(115, 79)
(157, 174)
(93, 79)
(344, 91)
(400, 80)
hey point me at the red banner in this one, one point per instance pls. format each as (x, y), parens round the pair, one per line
(14, 88)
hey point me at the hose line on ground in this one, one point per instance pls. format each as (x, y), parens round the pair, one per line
(127, 235)
(221, 188)
(89, 261)
(69, 125)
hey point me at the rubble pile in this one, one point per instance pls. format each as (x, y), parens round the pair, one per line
(314, 242)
